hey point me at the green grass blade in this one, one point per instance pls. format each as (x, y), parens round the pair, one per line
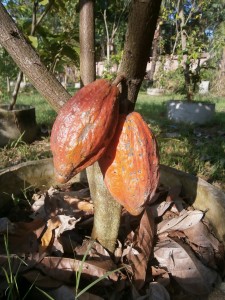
(6, 275)
(28, 291)
(96, 281)
(44, 293)
(79, 272)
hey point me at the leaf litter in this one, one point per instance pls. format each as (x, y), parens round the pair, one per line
(169, 252)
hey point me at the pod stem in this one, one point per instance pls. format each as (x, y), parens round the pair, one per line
(118, 79)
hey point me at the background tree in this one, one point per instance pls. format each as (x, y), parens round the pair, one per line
(111, 20)
(8, 71)
(187, 31)
(55, 37)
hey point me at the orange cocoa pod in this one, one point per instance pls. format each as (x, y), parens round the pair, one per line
(84, 128)
(131, 163)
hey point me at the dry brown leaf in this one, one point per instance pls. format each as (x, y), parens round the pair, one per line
(204, 243)
(160, 194)
(55, 202)
(41, 280)
(160, 275)
(118, 252)
(201, 236)
(63, 269)
(159, 209)
(69, 241)
(186, 219)
(48, 237)
(17, 264)
(143, 246)
(6, 226)
(156, 291)
(176, 234)
(88, 296)
(68, 293)
(55, 227)
(97, 251)
(86, 206)
(185, 268)
(24, 240)
(173, 193)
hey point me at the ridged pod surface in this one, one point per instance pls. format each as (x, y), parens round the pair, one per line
(84, 128)
(130, 164)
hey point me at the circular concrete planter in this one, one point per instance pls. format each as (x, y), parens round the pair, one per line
(35, 174)
(190, 112)
(40, 174)
(155, 92)
(16, 123)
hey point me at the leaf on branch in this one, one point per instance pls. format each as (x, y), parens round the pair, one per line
(43, 2)
(33, 40)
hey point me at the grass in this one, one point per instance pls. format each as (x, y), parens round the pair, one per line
(13, 287)
(44, 113)
(199, 150)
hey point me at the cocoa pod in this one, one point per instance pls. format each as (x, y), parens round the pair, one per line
(131, 163)
(84, 128)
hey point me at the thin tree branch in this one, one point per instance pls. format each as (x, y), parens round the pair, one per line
(34, 25)
(12, 39)
(48, 7)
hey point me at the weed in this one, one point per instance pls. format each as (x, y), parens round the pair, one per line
(12, 291)
(79, 272)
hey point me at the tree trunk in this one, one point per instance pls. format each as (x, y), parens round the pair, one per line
(16, 90)
(219, 82)
(87, 45)
(140, 32)
(151, 72)
(29, 62)
(185, 62)
(107, 211)
(107, 37)
(8, 85)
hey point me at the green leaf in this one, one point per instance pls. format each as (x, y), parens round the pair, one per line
(44, 2)
(33, 40)
(70, 52)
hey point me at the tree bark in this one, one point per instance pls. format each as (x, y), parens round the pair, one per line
(87, 45)
(107, 211)
(140, 32)
(155, 43)
(29, 62)
(16, 90)
(185, 63)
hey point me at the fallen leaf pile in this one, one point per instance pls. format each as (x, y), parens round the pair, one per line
(169, 252)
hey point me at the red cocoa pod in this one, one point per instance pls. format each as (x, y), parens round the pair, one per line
(131, 163)
(84, 128)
